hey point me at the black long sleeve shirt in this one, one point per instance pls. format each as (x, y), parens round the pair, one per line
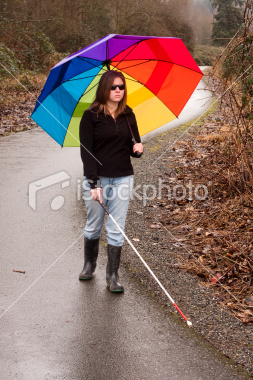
(106, 145)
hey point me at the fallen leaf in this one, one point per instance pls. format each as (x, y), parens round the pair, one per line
(154, 226)
(180, 202)
(216, 278)
(249, 300)
(225, 128)
(247, 320)
(217, 234)
(245, 314)
(185, 228)
(207, 249)
(189, 208)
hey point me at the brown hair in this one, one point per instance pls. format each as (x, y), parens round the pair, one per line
(103, 93)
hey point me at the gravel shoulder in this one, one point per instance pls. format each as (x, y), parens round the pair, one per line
(161, 252)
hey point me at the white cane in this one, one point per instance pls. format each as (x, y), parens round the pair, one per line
(146, 265)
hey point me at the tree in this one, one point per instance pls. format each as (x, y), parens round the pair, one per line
(201, 21)
(70, 25)
(228, 19)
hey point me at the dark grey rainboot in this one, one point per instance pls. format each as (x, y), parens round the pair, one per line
(112, 277)
(90, 258)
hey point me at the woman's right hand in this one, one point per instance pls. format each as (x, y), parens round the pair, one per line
(97, 194)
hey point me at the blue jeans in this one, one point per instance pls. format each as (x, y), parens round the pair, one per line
(116, 193)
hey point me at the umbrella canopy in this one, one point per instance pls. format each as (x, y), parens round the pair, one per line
(160, 73)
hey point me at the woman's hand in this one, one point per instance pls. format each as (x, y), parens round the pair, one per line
(97, 194)
(138, 148)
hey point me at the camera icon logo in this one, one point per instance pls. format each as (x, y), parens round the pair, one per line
(58, 201)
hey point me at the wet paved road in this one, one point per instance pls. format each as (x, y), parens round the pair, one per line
(51, 325)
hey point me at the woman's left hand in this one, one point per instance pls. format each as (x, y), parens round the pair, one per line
(138, 148)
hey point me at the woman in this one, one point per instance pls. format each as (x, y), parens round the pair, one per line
(106, 147)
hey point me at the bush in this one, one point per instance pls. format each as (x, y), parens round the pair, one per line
(29, 49)
(206, 55)
(8, 59)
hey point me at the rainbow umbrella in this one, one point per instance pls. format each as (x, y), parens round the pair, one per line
(160, 73)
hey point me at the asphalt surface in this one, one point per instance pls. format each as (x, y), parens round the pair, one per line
(52, 326)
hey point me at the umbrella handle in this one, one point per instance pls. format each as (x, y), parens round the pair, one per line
(138, 154)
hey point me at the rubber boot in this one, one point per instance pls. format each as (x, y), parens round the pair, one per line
(90, 258)
(112, 277)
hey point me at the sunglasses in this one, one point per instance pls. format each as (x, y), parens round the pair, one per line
(120, 86)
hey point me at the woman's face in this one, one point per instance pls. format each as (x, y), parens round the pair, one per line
(116, 94)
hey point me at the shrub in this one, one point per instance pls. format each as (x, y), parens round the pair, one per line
(29, 48)
(8, 59)
(206, 55)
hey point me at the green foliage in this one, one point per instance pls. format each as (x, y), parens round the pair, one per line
(32, 48)
(228, 19)
(24, 48)
(8, 59)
